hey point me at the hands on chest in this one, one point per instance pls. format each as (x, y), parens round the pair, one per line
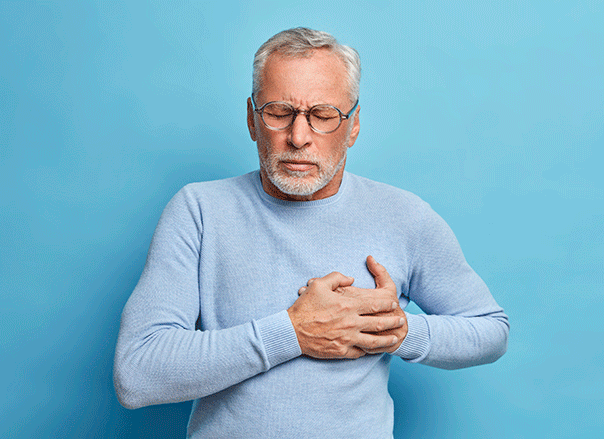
(334, 319)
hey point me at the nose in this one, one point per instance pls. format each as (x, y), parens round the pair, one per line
(300, 134)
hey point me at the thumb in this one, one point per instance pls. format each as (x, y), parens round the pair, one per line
(381, 276)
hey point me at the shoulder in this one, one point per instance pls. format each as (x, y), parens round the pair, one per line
(396, 209)
(385, 196)
(214, 195)
(405, 212)
(219, 189)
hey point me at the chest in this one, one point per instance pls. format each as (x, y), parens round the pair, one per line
(252, 263)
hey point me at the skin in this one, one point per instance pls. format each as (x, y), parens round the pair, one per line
(332, 318)
(304, 82)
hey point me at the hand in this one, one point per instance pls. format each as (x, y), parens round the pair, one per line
(384, 282)
(333, 322)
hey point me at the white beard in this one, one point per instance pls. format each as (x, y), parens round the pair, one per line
(294, 182)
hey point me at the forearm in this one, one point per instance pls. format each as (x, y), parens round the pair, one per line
(157, 364)
(463, 325)
(454, 342)
(160, 356)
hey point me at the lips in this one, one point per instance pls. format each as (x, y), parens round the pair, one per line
(296, 166)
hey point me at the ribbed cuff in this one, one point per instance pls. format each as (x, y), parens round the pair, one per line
(279, 338)
(416, 344)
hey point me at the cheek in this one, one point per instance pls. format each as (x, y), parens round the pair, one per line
(268, 143)
(263, 146)
(338, 146)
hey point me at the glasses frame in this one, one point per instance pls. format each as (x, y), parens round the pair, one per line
(297, 111)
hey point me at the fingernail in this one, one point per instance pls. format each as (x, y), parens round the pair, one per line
(394, 340)
(401, 321)
(394, 305)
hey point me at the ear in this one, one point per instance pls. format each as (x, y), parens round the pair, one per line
(356, 126)
(251, 124)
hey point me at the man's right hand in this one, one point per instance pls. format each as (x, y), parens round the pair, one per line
(330, 324)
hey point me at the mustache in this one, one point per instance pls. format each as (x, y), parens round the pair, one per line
(295, 157)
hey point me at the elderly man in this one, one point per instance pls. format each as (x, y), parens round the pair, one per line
(259, 300)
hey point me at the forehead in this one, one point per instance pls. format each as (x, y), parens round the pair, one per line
(318, 78)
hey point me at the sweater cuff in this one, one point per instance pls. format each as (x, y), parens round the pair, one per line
(279, 338)
(416, 344)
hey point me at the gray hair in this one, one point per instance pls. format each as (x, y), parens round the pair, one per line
(301, 42)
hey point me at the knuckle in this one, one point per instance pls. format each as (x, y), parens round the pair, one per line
(373, 344)
(344, 340)
(345, 306)
(348, 323)
(318, 281)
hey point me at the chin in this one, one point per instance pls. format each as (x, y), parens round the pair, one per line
(300, 183)
(298, 186)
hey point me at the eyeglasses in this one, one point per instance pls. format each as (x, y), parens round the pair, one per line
(322, 118)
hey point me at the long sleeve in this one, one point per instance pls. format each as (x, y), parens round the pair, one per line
(208, 318)
(161, 357)
(463, 325)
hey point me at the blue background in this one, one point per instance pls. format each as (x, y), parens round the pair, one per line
(491, 111)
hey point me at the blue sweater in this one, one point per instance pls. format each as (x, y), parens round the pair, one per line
(207, 320)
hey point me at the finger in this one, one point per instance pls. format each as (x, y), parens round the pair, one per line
(375, 343)
(335, 280)
(311, 280)
(381, 323)
(301, 291)
(380, 274)
(366, 294)
(354, 353)
(376, 306)
(388, 350)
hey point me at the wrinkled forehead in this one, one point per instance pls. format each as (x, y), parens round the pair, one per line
(317, 76)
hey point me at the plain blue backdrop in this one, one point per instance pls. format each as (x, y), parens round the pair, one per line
(491, 111)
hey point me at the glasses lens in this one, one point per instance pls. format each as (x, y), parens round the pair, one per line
(325, 118)
(277, 115)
